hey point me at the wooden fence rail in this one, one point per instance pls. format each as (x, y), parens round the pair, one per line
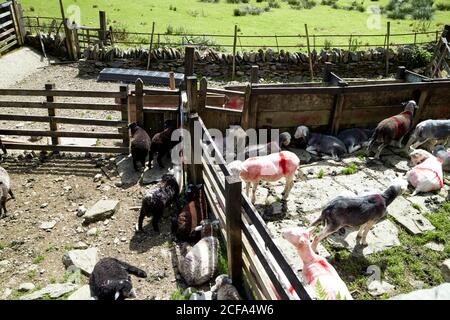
(53, 119)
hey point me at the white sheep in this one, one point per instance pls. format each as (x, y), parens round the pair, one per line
(5, 189)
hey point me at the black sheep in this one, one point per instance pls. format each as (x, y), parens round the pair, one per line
(195, 211)
(140, 145)
(158, 198)
(110, 279)
(162, 143)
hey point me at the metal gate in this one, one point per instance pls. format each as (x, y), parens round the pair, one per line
(11, 31)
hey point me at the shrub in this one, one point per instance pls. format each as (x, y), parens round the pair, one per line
(238, 1)
(301, 4)
(327, 45)
(443, 6)
(210, 1)
(274, 4)
(416, 57)
(249, 9)
(416, 9)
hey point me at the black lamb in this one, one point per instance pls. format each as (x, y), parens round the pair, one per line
(158, 198)
(140, 145)
(162, 143)
(195, 211)
(110, 279)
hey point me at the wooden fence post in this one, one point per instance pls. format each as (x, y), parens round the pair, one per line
(151, 46)
(327, 72)
(202, 95)
(189, 61)
(52, 113)
(233, 196)
(139, 92)
(192, 94)
(234, 52)
(401, 73)
(18, 17)
(102, 33)
(195, 168)
(125, 114)
(254, 77)
(309, 53)
(388, 33)
(246, 115)
(172, 84)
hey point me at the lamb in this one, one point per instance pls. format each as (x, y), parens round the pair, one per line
(441, 153)
(316, 269)
(195, 211)
(140, 145)
(270, 168)
(200, 263)
(157, 199)
(285, 139)
(5, 189)
(110, 279)
(261, 149)
(355, 138)
(319, 143)
(429, 130)
(359, 211)
(427, 173)
(393, 129)
(162, 143)
(224, 289)
(3, 147)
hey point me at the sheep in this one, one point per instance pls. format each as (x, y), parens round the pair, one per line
(427, 173)
(158, 198)
(140, 145)
(355, 138)
(319, 143)
(224, 289)
(317, 272)
(200, 263)
(393, 129)
(110, 279)
(162, 143)
(5, 187)
(3, 147)
(271, 168)
(441, 153)
(195, 211)
(359, 211)
(285, 139)
(429, 130)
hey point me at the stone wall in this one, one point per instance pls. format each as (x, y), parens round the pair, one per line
(283, 65)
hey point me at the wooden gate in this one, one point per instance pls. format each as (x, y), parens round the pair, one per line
(11, 30)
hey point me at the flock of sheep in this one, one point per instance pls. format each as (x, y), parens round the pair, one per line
(111, 277)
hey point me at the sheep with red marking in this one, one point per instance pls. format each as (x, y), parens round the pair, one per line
(269, 168)
(427, 173)
(393, 129)
(317, 272)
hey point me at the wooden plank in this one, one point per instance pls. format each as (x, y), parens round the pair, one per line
(8, 46)
(292, 119)
(422, 104)
(140, 102)
(7, 32)
(337, 114)
(5, 4)
(295, 102)
(226, 92)
(233, 190)
(124, 114)
(79, 121)
(61, 105)
(5, 24)
(61, 93)
(245, 119)
(158, 100)
(195, 168)
(51, 113)
(66, 148)
(367, 116)
(189, 61)
(67, 134)
(10, 38)
(203, 98)
(5, 14)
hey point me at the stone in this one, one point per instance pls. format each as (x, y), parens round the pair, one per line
(441, 292)
(382, 236)
(445, 269)
(53, 291)
(85, 260)
(102, 210)
(44, 205)
(47, 225)
(92, 232)
(6, 293)
(83, 293)
(81, 211)
(403, 212)
(375, 285)
(201, 295)
(25, 287)
(435, 246)
(98, 177)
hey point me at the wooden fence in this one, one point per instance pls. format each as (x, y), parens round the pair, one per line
(51, 105)
(11, 27)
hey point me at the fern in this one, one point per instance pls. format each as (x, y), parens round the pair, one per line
(320, 291)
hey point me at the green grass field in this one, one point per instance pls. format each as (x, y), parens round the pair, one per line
(192, 16)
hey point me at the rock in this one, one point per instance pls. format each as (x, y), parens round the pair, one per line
(201, 295)
(85, 260)
(98, 177)
(6, 293)
(5, 263)
(116, 241)
(83, 293)
(445, 269)
(25, 287)
(44, 205)
(80, 245)
(441, 292)
(53, 290)
(92, 232)
(435, 246)
(47, 225)
(375, 285)
(81, 211)
(102, 210)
